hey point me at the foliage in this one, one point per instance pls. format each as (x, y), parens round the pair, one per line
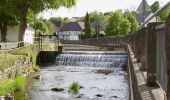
(8, 85)
(95, 14)
(74, 87)
(41, 26)
(118, 24)
(19, 83)
(20, 9)
(134, 23)
(87, 29)
(164, 14)
(31, 17)
(5, 21)
(155, 6)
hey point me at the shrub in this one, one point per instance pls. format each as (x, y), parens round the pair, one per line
(74, 87)
(9, 85)
(5, 86)
(19, 83)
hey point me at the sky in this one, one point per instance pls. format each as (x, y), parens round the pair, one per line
(84, 6)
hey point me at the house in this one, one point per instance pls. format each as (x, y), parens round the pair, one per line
(12, 34)
(71, 31)
(144, 12)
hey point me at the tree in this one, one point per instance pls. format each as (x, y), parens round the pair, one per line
(41, 26)
(155, 6)
(87, 26)
(5, 21)
(164, 14)
(20, 9)
(117, 25)
(95, 14)
(134, 23)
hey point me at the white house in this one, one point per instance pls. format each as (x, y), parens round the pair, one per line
(70, 31)
(12, 34)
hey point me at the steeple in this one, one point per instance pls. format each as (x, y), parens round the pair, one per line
(144, 7)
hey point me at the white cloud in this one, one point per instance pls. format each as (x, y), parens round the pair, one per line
(84, 6)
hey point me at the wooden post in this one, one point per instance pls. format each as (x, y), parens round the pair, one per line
(151, 54)
(167, 49)
(143, 48)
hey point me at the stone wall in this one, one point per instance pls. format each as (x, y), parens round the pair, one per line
(24, 67)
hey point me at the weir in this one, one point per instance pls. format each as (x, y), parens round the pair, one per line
(92, 59)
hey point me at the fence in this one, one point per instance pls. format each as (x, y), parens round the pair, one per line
(161, 75)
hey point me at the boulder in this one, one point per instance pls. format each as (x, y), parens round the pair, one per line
(57, 89)
(38, 77)
(9, 97)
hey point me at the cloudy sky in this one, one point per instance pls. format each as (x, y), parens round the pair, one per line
(84, 6)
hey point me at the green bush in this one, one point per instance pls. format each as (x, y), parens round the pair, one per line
(5, 86)
(19, 83)
(9, 85)
(74, 87)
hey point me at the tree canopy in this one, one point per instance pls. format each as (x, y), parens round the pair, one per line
(20, 9)
(87, 29)
(5, 21)
(117, 25)
(134, 23)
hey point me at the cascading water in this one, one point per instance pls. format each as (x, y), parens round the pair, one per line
(92, 59)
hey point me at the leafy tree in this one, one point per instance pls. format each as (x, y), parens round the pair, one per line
(164, 14)
(95, 14)
(125, 26)
(5, 21)
(51, 28)
(155, 6)
(20, 9)
(31, 17)
(87, 26)
(134, 23)
(117, 25)
(41, 26)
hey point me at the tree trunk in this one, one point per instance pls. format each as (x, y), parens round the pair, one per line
(22, 27)
(3, 27)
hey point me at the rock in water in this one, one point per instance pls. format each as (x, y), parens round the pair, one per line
(99, 95)
(57, 89)
(37, 77)
(9, 97)
(106, 72)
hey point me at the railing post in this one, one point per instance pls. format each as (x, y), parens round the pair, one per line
(167, 48)
(151, 54)
(143, 48)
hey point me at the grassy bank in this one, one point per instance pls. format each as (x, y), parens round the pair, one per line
(9, 85)
(14, 81)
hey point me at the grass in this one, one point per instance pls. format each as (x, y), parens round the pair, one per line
(74, 87)
(14, 82)
(8, 85)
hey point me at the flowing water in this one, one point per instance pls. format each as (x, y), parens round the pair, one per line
(86, 68)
